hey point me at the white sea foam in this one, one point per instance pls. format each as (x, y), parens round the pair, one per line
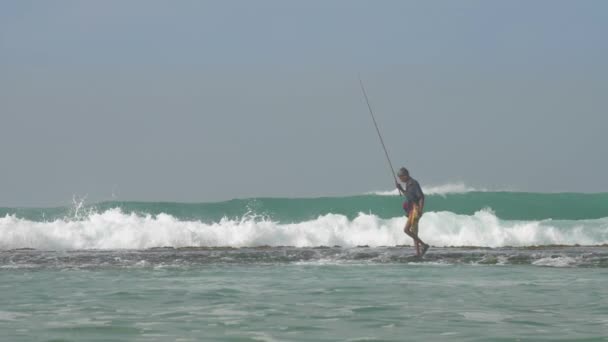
(450, 188)
(560, 261)
(114, 229)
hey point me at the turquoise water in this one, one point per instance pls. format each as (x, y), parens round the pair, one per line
(306, 302)
(506, 205)
(502, 267)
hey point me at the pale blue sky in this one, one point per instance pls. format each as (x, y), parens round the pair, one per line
(211, 100)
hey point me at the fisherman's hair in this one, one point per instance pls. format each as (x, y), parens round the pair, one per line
(403, 172)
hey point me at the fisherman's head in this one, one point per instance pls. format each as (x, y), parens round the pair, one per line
(403, 174)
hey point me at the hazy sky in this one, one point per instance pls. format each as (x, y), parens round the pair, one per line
(212, 100)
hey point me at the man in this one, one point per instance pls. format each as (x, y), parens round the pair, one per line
(413, 206)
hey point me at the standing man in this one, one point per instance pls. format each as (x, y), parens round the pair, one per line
(414, 206)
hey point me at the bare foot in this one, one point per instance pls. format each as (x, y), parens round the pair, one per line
(425, 248)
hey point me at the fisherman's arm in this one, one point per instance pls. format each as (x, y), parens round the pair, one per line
(399, 187)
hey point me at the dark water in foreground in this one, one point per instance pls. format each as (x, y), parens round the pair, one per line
(305, 294)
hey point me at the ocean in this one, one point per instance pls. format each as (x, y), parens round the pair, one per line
(503, 266)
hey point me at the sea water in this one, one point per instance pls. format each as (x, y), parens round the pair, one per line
(503, 267)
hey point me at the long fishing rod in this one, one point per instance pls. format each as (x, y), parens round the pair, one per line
(371, 112)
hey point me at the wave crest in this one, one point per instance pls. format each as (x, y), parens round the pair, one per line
(450, 188)
(113, 229)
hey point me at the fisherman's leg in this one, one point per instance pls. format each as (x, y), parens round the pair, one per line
(407, 230)
(412, 228)
(419, 242)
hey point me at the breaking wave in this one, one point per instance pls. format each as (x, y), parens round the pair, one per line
(115, 229)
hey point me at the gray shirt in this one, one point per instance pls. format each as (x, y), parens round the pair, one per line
(413, 192)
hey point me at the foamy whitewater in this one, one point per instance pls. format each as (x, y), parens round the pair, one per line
(113, 229)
